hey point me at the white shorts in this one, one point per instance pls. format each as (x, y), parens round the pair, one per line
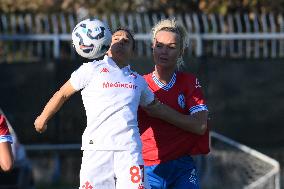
(112, 170)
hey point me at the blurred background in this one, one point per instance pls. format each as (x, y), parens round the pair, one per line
(236, 50)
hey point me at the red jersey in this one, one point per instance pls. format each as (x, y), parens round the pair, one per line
(4, 130)
(163, 141)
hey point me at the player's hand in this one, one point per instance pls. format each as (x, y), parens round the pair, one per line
(155, 109)
(40, 124)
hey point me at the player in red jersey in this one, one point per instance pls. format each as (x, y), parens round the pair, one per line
(167, 148)
(6, 156)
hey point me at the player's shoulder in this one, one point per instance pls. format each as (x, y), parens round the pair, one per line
(2, 119)
(189, 79)
(186, 75)
(136, 75)
(94, 63)
(3, 124)
(92, 66)
(148, 77)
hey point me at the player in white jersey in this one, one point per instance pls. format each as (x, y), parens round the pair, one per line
(111, 93)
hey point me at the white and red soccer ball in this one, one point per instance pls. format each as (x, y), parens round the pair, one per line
(91, 38)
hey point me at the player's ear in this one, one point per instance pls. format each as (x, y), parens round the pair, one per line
(181, 52)
(152, 47)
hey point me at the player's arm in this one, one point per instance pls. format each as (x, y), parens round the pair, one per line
(53, 105)
(6, 156)
(195, 123)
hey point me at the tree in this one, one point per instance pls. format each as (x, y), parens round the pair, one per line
(166, 6)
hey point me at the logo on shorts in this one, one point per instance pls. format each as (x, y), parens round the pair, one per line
(193, 177)
(87, 185)
(137, 175)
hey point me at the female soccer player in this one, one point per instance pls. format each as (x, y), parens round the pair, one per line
(167, 146)
(111, 93)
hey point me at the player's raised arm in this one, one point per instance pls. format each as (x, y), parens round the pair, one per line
(53, 105)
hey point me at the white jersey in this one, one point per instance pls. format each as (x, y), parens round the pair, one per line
(111, 97)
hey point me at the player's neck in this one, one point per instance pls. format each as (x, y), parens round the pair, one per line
(119, 63)
(164, 75)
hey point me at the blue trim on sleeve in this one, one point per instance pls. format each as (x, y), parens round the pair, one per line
(198, 108)
(6, 138)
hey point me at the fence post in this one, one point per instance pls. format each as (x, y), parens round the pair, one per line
(56, 47)
(199, 48)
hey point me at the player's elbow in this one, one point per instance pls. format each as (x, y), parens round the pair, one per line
(7, 166)
(201, 122)
(201, 128)
(60, 95)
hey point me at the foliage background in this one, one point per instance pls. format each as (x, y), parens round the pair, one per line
(166, 6)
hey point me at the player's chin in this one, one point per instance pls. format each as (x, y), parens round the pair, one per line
(119, 53)
(162, 63)
(165, 60)
(118, 50)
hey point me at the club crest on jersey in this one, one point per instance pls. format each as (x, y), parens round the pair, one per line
(181, 101)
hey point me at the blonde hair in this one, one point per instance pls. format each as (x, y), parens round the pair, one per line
(174, 26)
(171, 24)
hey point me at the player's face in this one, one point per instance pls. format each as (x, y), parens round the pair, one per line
(121, 47)
(166, 49)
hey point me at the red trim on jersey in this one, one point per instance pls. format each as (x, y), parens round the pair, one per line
(163, 141)
(3, 126)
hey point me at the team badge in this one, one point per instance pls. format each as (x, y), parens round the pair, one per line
(181, 101)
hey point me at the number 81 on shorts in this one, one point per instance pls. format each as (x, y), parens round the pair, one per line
(137, 174)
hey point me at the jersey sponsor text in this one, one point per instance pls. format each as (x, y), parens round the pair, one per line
(119, 85)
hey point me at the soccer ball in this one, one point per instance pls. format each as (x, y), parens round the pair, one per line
(91, 38)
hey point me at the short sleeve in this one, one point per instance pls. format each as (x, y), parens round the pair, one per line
(195, 100)
(82, 76)
(147, 96)
(5, 135)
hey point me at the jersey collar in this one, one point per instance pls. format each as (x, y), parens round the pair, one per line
(162, 85)
(110, 61)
